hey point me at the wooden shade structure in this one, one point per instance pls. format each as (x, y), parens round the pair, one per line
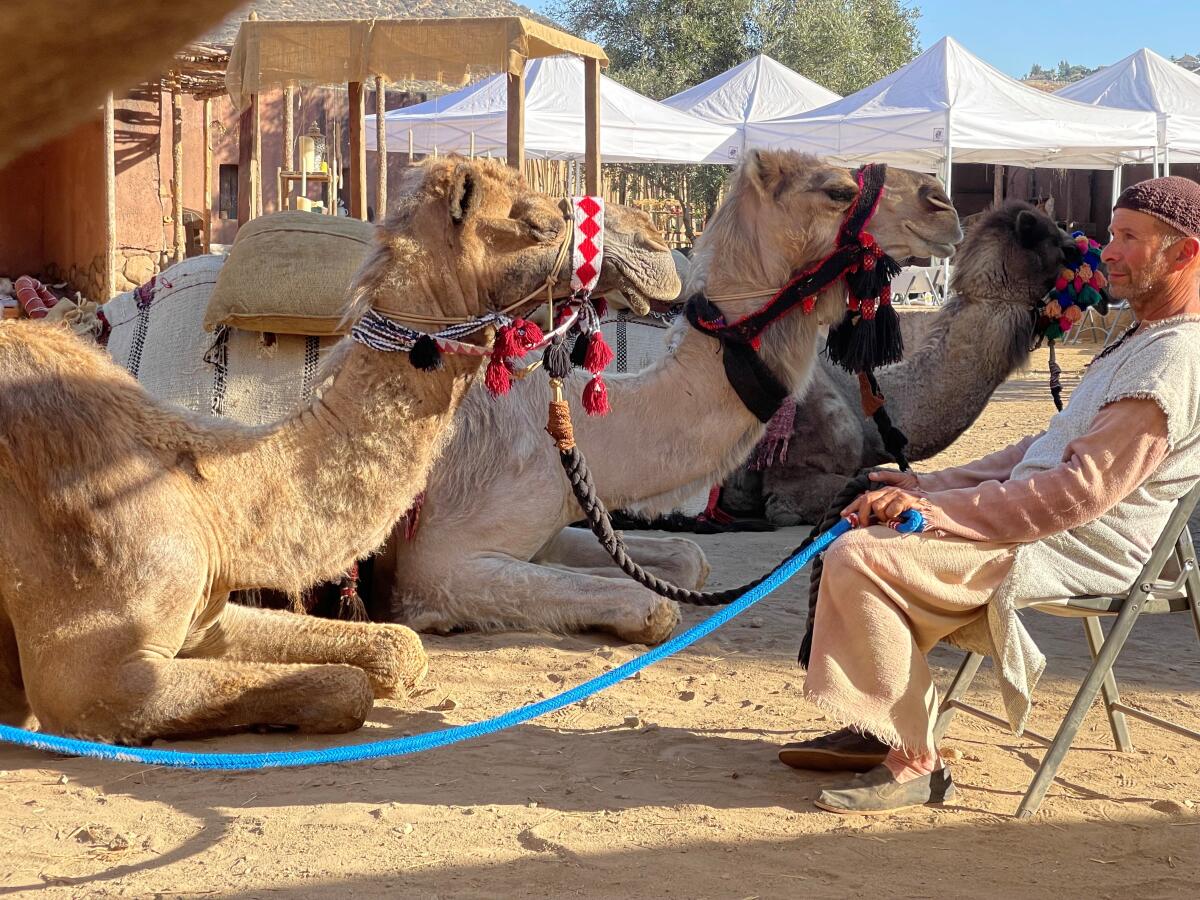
(281, 54)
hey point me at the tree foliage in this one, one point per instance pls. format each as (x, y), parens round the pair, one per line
(1065, 71)
(660, 47)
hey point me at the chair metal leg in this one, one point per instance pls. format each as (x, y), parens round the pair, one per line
(959, 686)
(1108, 688)
(1080, 705)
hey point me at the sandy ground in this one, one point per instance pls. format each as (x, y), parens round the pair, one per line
(663, 786)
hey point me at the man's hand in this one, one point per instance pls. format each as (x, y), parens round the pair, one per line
(888, 503)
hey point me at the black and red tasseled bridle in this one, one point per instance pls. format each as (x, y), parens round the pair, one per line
(867, 337)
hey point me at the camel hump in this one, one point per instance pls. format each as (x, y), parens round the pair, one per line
(64, 403)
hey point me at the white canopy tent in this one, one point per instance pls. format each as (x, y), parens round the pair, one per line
(758, 90)
(633, 128)
(949, 105)
(1146, 81)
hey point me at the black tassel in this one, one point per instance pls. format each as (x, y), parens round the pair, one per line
(851, 343)
(425, 354)
(889, 341)
(579, 351)
(557, 359)
(869, 283)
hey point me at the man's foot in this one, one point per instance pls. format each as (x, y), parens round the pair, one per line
(842, 751)
(877, 792)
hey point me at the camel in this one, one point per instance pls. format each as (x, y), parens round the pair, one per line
(493, 550)
(129, 522)
(963, 352)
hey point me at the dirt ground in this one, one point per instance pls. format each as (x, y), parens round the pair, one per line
(663, 786)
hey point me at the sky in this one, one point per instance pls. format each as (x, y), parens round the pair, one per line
(1014, 34)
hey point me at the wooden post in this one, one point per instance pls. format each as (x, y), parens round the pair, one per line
(591, 127)
(358, 151)
(180, 238)
(256, 190)
(289, 131)
(997, 185)
(109, 287)
(381, 149)
(516, 119)
(208, 176)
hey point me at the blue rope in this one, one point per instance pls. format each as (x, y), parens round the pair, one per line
(236, 762)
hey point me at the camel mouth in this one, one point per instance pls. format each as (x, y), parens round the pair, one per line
(928, 247)
(637, 302)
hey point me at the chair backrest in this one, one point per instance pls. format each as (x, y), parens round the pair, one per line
(1175, 537)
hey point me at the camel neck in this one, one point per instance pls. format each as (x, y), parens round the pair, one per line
(325, 486)
(683, 426)
(946, 380)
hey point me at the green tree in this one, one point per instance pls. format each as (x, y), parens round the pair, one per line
(660, 47)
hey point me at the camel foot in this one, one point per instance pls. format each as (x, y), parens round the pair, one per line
(653, 626)
(395, 662)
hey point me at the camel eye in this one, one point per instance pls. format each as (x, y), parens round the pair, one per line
(841, 194)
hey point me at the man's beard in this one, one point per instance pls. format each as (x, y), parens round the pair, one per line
(1143, 284)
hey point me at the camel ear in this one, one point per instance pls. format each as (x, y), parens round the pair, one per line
(462, 194)
(762, 170)
(1031, 229)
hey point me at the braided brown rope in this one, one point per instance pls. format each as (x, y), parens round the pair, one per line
(580, 477)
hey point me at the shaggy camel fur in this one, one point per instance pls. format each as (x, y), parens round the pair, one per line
(128, 522)
(962, 353)
(60, 59)
(493, 550)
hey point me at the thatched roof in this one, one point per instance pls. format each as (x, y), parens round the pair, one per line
(301, 10)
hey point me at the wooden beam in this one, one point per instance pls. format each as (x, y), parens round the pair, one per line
(109, 286)
(208, 176)
(516, 120)
(358, 151)
(179, 240)
(245, 210)
(381, 149)
(591, 113)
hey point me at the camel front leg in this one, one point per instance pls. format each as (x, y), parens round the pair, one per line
(391, 655)
(675, 559)
(87, 694)
(494, 592)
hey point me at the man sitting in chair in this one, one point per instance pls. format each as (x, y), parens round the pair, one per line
(1073, 510)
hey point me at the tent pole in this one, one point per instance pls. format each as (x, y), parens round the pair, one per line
(1116, 189)
(358, 152)
(516, 118)
(1166, 160)
(591, 111)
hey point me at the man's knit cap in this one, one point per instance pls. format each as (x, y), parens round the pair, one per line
(1173, 200)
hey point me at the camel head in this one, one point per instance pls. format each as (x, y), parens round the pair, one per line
(638, 267)
(783, 211)
(469, 236)
(1012, 254)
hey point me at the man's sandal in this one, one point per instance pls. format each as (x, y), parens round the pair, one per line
(842, 751)
(877, 793)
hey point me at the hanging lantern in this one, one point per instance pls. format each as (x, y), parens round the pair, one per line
(310, 149)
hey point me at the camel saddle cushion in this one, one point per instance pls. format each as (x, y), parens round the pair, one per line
(290, 273)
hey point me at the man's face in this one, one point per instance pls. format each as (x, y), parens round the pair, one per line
(1136, 256)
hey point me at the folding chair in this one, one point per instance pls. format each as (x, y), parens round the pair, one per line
(1121, 308)
(1168, 583)
(1091, 323)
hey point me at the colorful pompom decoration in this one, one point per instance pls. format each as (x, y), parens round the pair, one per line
(1076, 289)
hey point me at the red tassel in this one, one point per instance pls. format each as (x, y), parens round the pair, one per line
(523, 337)
(505, 344)
(595, 397)
(599, 354)
(807, 304)
(601, 305)
(497, 378)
